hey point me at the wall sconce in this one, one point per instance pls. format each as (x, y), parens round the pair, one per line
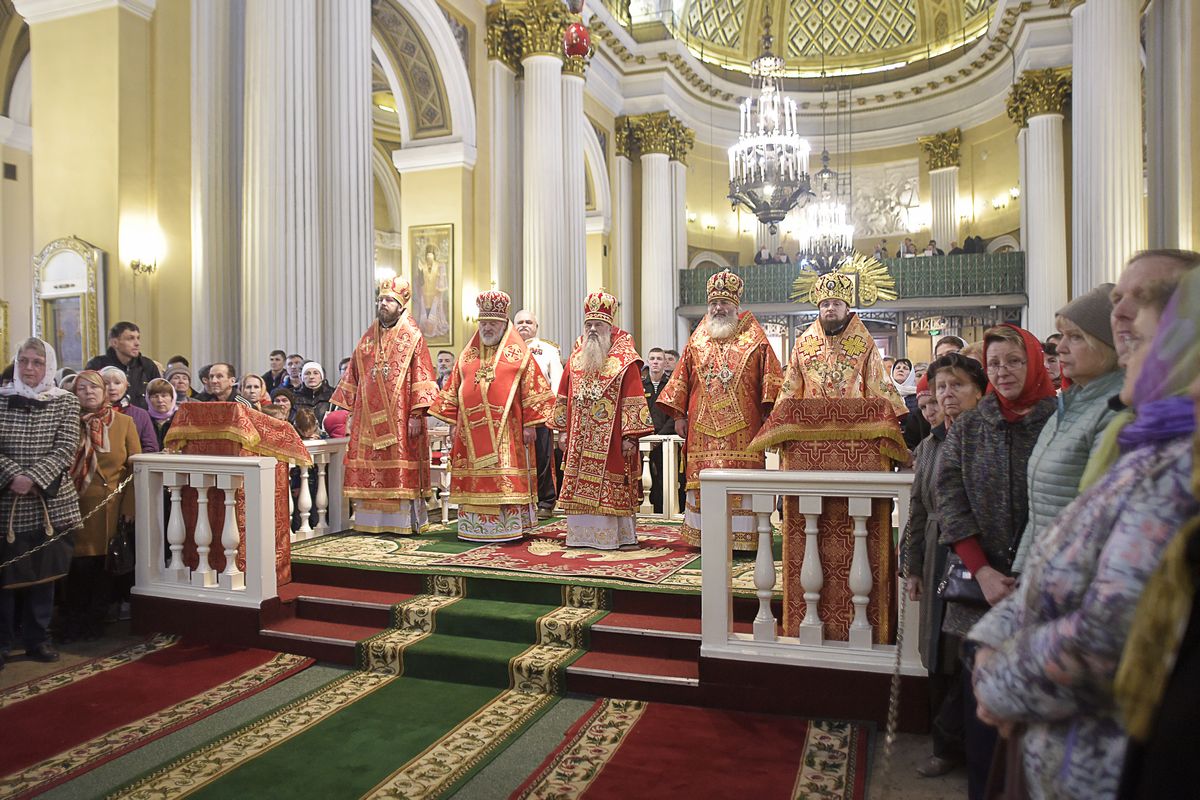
(142, 242)
(143, 267)
(383, 274)
(1000, 201)
(470, 311)
(1014, 192)
(691, 216)
(710, 222)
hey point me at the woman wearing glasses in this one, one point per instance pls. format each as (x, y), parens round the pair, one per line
(984, 499)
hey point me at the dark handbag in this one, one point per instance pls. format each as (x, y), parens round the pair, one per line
(47, 562)
(119, 558)
(958, 585)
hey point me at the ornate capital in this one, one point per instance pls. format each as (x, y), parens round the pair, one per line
(941, 149)
(657, 132)
(623, 137)
(1038, 92)
(576, 65)
(502, 44)
(683, 140)
(538, 26)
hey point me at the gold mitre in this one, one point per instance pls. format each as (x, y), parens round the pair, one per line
(600, 306)
(859, 281)
(493, 304)
(725, 285)
(832, 286)
(397, 288)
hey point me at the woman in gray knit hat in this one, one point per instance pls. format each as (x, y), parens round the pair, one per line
(1092, 378)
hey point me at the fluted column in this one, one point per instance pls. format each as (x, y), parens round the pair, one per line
(216, 117)
(681, 144)
(573, 276)
(1108, 223)
(1169, 88)
(1023, 183)
(1037, 101)
(622, 234)
(941, 151)
(504, 190)
(654, 134)
(347, 208)
(280, 255)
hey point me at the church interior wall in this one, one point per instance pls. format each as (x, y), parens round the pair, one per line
(16, 241)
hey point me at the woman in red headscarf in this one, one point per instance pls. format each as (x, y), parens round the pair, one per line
(984, 499)
(107, 442)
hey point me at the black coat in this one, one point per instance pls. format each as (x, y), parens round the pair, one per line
(140, 371)
(664, 424)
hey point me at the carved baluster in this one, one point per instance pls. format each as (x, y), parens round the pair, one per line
(322, 460)
(444, 491)
(176, 570)
(647, 506)
(203, 576)
(232, 578)
(812, 576)
(860, 574)
(304, 505)
(764, 568)
(291, 507)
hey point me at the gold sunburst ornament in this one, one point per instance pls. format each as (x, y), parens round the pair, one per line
(869, 276)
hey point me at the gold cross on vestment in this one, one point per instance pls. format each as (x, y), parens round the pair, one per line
(385, 369)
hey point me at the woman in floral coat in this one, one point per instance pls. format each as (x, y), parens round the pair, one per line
(1048, 653)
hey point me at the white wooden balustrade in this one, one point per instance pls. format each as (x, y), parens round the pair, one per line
(810, 648)
(160, 571)
(671, 452)
(439, 444)
(328, 457)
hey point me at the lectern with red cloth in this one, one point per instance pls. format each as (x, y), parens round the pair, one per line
(843, 434)
(231, 429)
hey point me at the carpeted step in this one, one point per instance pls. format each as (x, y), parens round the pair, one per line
(462, 659)
(492, 619)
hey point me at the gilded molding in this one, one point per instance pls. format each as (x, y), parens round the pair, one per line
(683, 139)
(655, 132)
(539, 27)
(502, 44)
(576, 65)
(623, 137)
(941, 149)
(1038, 92)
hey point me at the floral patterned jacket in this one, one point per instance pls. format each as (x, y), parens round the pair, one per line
(1058, 638)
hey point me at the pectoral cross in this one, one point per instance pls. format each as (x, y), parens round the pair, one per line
(385, 369)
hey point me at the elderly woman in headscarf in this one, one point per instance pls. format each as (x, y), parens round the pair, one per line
(39, 427)
(315, 391)
(102, 460)
(982, 489)
(1048, 654)
(162, 403)
(116, 384)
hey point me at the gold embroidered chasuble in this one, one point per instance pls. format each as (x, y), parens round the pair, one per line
(390, 378)
(491, 396)
(597, 410)
(725, 389)
(845, 365)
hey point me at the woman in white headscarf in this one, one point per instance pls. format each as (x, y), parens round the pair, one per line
(39, 430)
(314, 391)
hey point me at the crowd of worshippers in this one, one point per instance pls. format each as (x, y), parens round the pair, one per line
(1054, 534)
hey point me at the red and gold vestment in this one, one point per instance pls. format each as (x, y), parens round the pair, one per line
(844, 365)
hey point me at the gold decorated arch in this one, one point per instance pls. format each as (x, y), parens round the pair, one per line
(415, 65)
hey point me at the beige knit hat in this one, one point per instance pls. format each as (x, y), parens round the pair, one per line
(1091, 312)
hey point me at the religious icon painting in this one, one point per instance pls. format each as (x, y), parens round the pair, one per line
(431, 248)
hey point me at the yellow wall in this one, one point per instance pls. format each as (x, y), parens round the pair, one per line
(16, 246)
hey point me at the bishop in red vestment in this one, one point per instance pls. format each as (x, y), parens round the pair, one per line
(600, 414)
(388, 388)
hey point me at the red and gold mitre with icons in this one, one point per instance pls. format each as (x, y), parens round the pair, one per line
(493, 304)
(600, 306)
(397, 288)
(726, 286)
(833, 286)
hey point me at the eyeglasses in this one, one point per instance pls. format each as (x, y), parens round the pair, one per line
(1011, 365)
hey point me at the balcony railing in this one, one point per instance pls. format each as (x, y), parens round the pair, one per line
(973, 274)
(810, 648)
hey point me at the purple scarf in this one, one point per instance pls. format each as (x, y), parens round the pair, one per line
(1158, 421)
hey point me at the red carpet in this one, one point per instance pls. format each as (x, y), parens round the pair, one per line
(76, 719)
(662, 554)
(626, 749)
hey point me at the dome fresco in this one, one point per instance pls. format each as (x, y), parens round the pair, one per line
(853, 36)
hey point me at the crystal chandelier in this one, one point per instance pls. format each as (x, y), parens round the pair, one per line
(825, 237)
(768, 166)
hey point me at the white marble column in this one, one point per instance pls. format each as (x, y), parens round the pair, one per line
(1108, 223)
(1044, 198)
(1169, 138)
(944, 206)
(542, 224)
(1023, 182)
(347, 203)
(678, 234)
(216, 117)
(504, 269)
(657, 327)
(281, 276)
(622, 232)
(572, 278)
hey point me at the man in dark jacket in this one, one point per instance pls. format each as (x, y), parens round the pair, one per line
(125, 353)
(653, 382)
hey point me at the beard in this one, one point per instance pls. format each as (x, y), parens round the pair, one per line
(594, 352)
(833, 327)
(387, 318)
(490, 340)
(721, 327)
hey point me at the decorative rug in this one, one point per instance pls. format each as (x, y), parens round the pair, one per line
(661, 553)
(621, 748)
(61, 725)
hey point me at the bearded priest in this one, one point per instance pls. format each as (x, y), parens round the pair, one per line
(720, 393)
(388, 388)
(494, 400)
(600, 414)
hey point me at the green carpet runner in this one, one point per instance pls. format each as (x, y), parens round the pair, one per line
(464, 670)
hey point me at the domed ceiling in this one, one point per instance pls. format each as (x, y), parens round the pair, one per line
(853, 36)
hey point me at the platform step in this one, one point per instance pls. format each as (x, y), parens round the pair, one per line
(328, 641)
